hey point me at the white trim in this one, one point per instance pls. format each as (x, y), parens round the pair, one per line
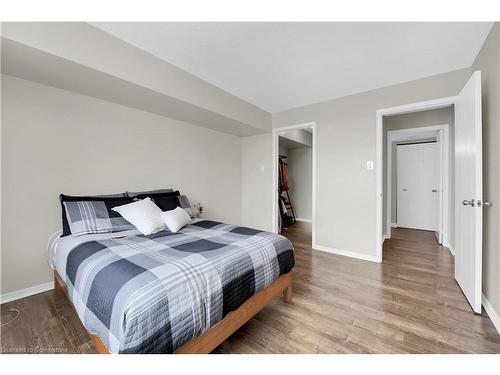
(494, 317)
(445, 185)
(394, 225)
(346, 253)
(452, 250)
(388, 194)
(18, 294)
(304, 220)
(419, 106)
(276, 133)
(478, 179)
(380, 197)
(379, 115)
(443, 139)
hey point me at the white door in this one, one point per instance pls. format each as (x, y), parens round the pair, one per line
(469, 191)
(418, 182)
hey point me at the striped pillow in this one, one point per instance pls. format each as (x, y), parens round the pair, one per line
(95, 216)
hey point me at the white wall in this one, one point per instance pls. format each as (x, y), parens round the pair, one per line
(282, 149)
(300, 181)
(346, 139)
(55, 141)
(257, 183)
(488, 61)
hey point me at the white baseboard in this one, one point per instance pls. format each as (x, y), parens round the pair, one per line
(346, 253)
(448, 245)
(18, 294)
(394, 225)
(304, 220)
(495, 318)
(452, 250)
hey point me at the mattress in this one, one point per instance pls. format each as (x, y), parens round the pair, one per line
(152, 294)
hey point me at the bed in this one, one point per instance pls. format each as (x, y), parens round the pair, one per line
(183, 292)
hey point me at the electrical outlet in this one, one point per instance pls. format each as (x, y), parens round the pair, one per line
(369, 165)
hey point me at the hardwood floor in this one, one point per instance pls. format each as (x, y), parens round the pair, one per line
(408, 304)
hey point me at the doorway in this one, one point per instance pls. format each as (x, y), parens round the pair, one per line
(418, 174)
(383, 223)
(294, 176)
(468, 202)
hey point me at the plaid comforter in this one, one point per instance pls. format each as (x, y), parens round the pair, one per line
(152, 294)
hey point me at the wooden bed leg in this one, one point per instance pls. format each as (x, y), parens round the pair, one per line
(57, 287)
(287, 292)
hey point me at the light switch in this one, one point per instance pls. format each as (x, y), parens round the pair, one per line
(369, 165)
(262, 169)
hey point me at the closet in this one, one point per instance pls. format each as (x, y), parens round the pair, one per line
(294, 178)
(285, 206)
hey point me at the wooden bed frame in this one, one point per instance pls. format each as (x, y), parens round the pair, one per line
(226, 327)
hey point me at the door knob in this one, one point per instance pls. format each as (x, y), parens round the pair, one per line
(484, 203)
(471, 203)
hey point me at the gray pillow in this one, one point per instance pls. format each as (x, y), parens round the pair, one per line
(132, 194)
(96, 216)
(117, 195)
(64, 198)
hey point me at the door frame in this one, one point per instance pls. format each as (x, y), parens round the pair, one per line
(380, 113)
(444, 147)
(276, 133)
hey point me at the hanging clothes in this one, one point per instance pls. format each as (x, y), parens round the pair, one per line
(285, 206)
(283, 168)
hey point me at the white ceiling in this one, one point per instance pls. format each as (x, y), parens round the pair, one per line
(278, 66)
(290, 143)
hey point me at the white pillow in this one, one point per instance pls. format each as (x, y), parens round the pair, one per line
(175, 219)
(143, 214)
